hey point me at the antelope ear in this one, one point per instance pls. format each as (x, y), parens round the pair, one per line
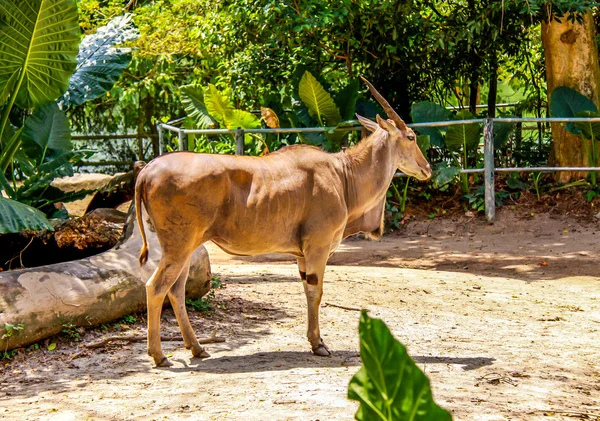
(387, 125)
(370, 125)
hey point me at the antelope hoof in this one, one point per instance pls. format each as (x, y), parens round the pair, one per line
(199, 352)
(164, 362)
(321, 350)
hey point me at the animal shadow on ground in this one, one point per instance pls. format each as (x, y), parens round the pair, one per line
(268, 361)
(472, 363)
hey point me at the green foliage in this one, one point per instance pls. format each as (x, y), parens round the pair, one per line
(502, 132)
(70, 331)
(205, 304)
(389, 385)
(443, 174)
(38, 51)
(192, 98)
(99, 63)
(16, 217)
(129, 319)
(319, 102)
(218, 104)
(202, 305)
(9, 329)
(567, 102)
(463, 137)
(427, 112)
(46, 129)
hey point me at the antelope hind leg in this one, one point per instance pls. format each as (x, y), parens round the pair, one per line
(157, 287)
(177, 297)
(315, 261)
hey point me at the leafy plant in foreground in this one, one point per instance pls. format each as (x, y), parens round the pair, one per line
(389, 385)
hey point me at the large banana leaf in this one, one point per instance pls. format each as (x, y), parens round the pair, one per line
(38, 47)
(47, 128)
(567, 102)
(389, 385)
(192, 98)
(463, 136)
(218, 105)
(17, 217)
(318, 101)
(99, 63)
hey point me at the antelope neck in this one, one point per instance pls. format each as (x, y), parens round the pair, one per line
(369, 169)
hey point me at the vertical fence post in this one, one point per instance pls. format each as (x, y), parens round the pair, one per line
(161, 138)
(488, 169)
(182, 141)
(239, 142)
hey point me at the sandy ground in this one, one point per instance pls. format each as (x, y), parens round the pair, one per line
(504, 319)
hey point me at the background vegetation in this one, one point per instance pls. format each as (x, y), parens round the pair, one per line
(219, 63)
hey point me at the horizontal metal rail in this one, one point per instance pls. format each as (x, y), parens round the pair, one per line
(488, 145)
(115, 136)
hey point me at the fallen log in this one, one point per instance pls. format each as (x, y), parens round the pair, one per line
(85, 292)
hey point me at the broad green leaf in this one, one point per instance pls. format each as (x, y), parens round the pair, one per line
(346, 99)
(588, 129)
(52, 346)
(192, 98)
(219, 106)
(461, 136)
(429, 112)
(318, 101)
(17, 217)
(242, 119)
(47, 128)
(567, 102)
(444, 174)
(389, 385)
(100, 62)
(38, 49)
(239, 119)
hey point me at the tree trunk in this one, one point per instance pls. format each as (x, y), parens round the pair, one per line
(571, 54)
(86, 292)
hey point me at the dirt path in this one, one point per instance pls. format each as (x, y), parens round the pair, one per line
(504, 318)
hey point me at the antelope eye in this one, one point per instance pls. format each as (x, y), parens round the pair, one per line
(411, 137)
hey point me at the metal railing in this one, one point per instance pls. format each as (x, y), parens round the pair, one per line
(488, 169)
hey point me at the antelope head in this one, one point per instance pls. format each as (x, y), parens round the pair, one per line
(409, 158)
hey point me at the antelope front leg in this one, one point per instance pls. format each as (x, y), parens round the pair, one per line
(314, 268)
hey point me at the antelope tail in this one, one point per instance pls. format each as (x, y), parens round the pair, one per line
(138, 214)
